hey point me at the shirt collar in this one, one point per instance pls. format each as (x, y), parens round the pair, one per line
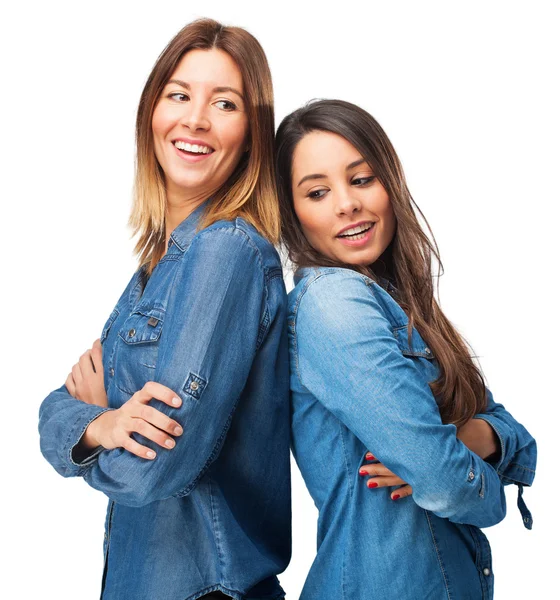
(303, 272)
(183, 234)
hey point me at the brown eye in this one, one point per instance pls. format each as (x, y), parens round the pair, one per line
(363, 180)
(178, 97)
(226, 105)
(316, 194)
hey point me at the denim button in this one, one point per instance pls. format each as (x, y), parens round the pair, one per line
(112, 372)
(194, 386)
(471, 475)
(427, 351)
(486, 571)
(131, 332)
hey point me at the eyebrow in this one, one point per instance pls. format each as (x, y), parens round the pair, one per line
(216, 90)
(356, 163)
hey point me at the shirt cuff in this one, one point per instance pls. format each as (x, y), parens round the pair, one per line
(79, 459)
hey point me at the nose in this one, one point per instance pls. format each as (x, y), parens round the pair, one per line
(195, 117)
(347, 203)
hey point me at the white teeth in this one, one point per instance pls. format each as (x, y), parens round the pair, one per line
(356, 230)
(192, 147)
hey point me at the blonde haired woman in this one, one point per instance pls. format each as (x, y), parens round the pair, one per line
(173, 411)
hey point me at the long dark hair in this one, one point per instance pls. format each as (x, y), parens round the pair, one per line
(408, 260)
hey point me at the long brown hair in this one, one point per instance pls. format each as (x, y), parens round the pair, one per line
(407, 262)
(250, 192)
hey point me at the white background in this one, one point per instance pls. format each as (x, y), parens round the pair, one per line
(468, 94)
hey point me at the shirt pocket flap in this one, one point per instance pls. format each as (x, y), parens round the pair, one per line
(416, 347)
(143, 326)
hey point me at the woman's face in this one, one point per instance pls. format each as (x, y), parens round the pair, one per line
(200, 124)
(344, 211)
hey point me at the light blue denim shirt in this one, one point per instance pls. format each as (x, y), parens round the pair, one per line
(357, 385)
(214, 512)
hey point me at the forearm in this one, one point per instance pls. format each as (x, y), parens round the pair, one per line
(479, 437)
(457, 484)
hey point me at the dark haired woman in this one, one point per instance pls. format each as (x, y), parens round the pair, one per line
(172, 417)
(375, 365)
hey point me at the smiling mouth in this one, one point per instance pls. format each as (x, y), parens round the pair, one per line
(356, 233)
(192, 149)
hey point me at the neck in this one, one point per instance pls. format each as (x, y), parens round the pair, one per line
(179, 207)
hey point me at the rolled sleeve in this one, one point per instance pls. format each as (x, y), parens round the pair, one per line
(62, 422)
(518, 459)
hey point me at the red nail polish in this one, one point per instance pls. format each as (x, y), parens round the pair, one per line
(396, 497)
(363, 472)
(372, 484)
(370, 456)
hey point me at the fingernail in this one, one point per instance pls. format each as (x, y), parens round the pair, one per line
(362, 472)
(151, 454)
(175, 401)
(177, 431)
(169, 443)
(369, 456)
(372, 484)
(395, 497)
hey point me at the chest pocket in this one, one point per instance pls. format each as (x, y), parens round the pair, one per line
(142, 327)
(138, 348)
(416, 347)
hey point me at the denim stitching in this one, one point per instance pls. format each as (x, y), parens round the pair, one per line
(293, 322)
(215, 527)
(443, 572)
(350, 488)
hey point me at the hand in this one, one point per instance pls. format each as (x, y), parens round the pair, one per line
(112, 429)
(382, 477)
(85, 382)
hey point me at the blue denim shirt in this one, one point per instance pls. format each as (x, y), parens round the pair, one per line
(357, 385)
(213, 513)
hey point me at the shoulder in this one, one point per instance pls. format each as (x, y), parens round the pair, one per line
(235, 242)
(323, 291)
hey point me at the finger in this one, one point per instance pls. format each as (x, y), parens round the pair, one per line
(97, 356)
(134, 447)
(158, 391)
(86, 364)
(369, 456)
(158, 419)
(375, 469)
(77, 374)
(402, 492)
(153, 433)
(384, 481)
(70, 385)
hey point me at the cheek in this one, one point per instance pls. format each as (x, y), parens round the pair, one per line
(159, 122)
(235, 137)
(313, 222)
(391, 222)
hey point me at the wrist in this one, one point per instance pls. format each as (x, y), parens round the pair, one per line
(90, 438)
